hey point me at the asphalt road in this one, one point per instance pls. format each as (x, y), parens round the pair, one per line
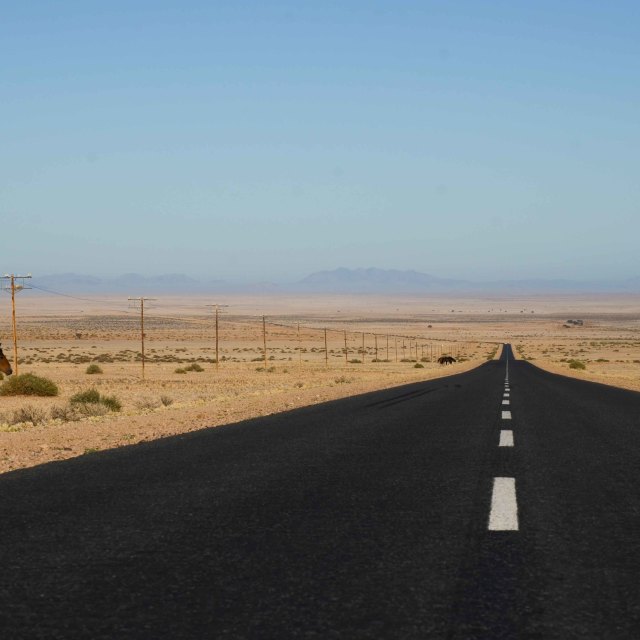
(377, 516)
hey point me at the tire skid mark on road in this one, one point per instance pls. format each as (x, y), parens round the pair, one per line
(403, 397)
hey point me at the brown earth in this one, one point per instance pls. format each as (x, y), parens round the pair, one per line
(60, 337)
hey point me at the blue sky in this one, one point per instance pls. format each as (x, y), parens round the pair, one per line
(266, 140)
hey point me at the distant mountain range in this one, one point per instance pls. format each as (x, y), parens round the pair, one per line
(340, 280)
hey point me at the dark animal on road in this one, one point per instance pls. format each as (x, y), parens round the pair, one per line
(5, 367)
(446, 360)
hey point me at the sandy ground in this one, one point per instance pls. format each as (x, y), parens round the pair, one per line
(60, 337)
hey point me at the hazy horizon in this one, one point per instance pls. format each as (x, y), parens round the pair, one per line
(260, 141)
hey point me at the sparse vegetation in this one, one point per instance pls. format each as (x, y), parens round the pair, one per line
(147, 404)
(92, 369)
(28, 413)
(28, 384)
(577, 364)
(93, 397)
(111, 402)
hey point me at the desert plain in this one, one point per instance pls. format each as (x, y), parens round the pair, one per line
(184, 388)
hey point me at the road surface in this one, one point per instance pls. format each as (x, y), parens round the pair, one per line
(490, 504)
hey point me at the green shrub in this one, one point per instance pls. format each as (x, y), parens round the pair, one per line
(166, 400)
(111, 402)
(179, 370)
(194, 367)
(417, 365)
(91, 396)
(577, 364)
(27, 384)
(93, 369)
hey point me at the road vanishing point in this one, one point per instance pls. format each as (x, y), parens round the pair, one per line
(499, 503)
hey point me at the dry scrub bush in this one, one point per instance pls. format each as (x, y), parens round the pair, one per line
(147, 404)
(31, 414)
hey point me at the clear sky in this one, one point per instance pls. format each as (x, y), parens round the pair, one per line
(259, 140)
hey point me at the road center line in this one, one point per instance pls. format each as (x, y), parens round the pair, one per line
(506, 415)
(504, 506)
(505, 402)
(506, 439)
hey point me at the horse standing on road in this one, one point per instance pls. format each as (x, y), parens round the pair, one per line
(5, 366)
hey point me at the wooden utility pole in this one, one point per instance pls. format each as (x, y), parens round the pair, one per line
(14, 288)
(363, 347)
(326, 350)
(217, 308)
(299, 347)
(264, 340)
(396, 346)
(141, 302)
(386, 357)
(346, 349)
(375, 337)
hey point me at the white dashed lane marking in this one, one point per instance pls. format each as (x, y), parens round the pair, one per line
(504, 506)
(505, 402)
(506, 439)
(506, 415)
